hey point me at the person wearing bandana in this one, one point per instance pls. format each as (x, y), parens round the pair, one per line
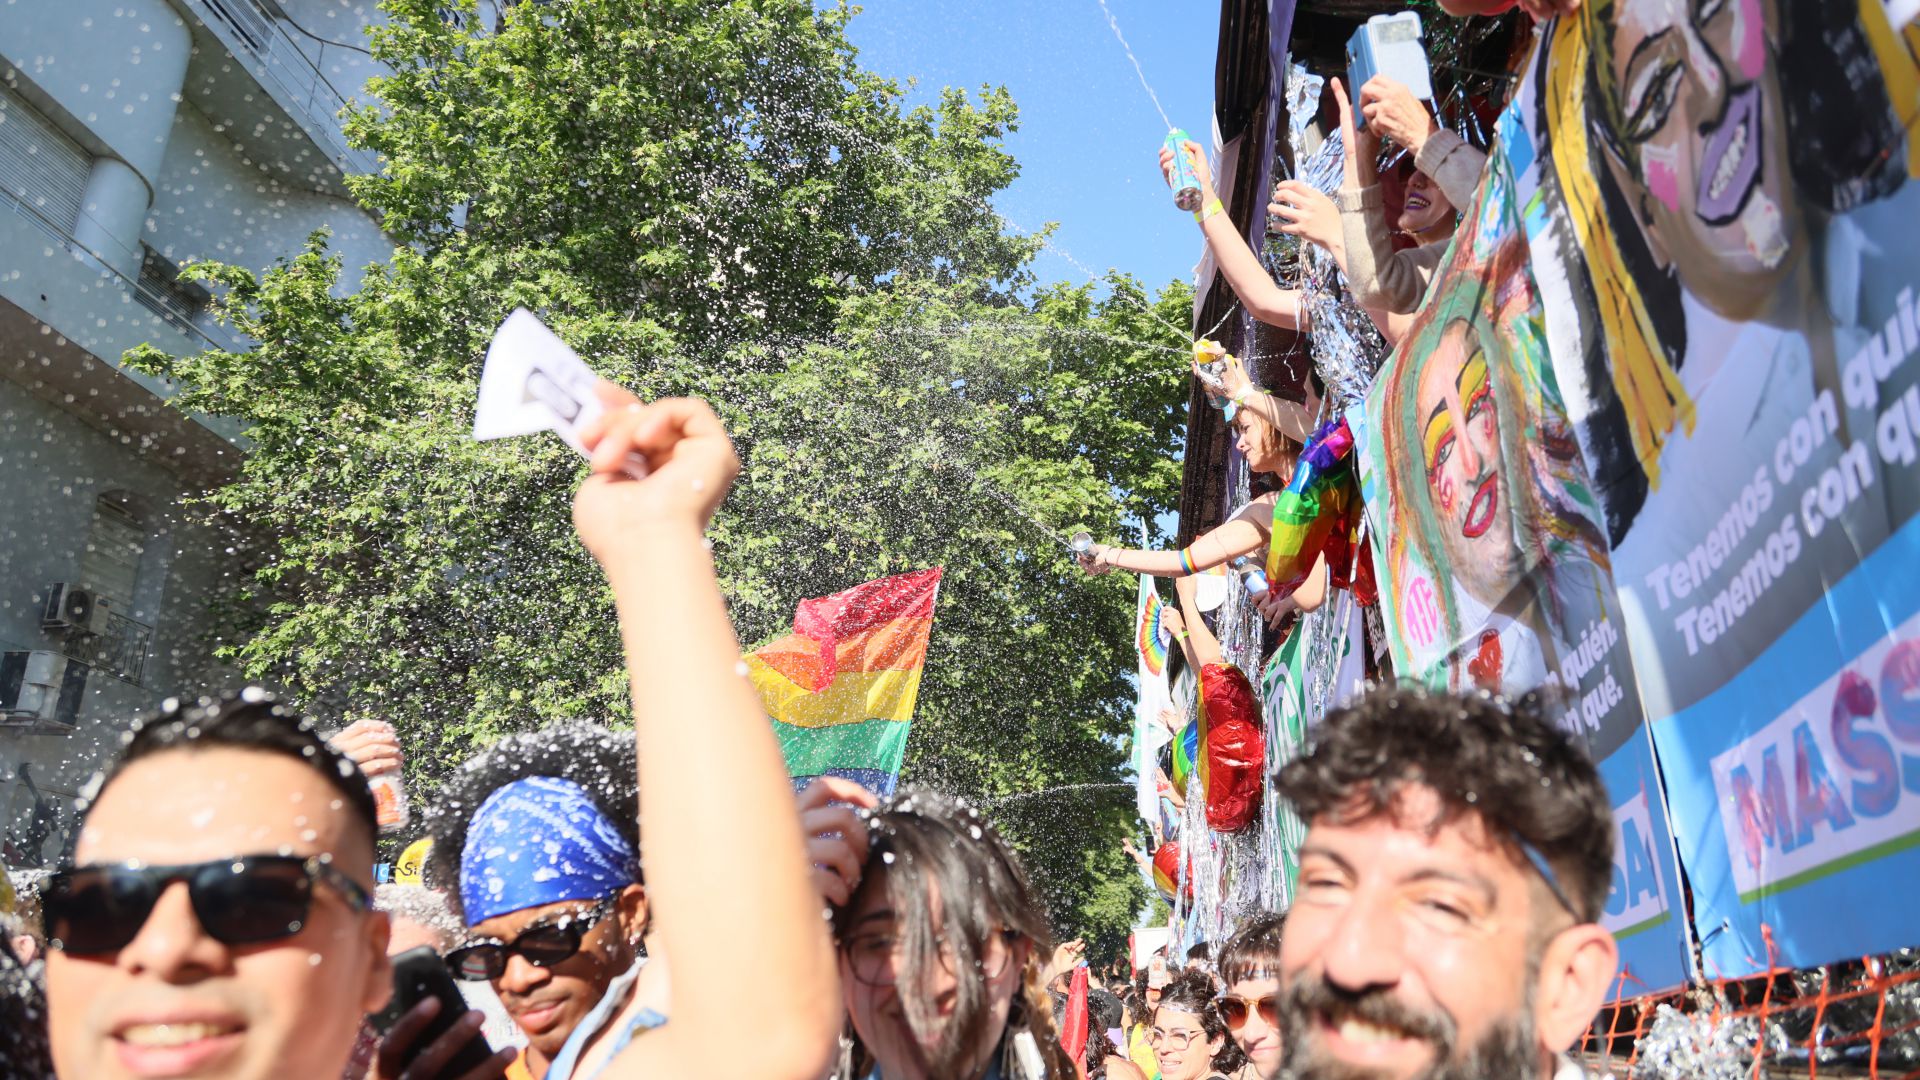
(550, 892)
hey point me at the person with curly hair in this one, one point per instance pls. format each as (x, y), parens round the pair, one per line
(1458, 855)
(1189, 1037)
(536, 840)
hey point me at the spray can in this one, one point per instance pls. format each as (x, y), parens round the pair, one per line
(1251, 576)
(389, 801)
(1186, 182)
(1212, 371)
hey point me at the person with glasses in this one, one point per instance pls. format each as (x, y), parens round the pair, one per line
(942, 946)
(1188, 1037)
(1458, 854)
(538, 837)
(1250, 967)
(215, 919)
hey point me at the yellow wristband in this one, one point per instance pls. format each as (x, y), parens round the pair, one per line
(1214, 206)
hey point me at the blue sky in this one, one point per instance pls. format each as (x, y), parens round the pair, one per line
(1088, 132)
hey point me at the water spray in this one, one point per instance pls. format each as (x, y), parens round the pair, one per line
(1137, 70)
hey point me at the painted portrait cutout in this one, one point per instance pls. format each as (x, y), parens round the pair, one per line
(1720, 198)
(1497, 559)
(1699, 151)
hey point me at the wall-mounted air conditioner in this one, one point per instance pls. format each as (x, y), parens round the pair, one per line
(70, 607)
(41, 689)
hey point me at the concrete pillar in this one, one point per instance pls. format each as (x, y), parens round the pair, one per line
(113, 214)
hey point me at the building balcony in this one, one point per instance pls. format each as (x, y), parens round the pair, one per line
(256, 35)
(119, 648)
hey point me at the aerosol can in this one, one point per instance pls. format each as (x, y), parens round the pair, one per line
(1210, 364)
(389, 802)
(1186, 182)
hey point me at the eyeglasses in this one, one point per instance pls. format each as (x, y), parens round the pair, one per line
(1235, 1010)
(543, 945)
(1173, 1040)
(875, 958)
(239, 901)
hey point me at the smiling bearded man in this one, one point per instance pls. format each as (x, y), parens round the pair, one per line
(1458, 854)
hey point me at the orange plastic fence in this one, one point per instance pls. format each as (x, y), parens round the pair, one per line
(1855, 1019)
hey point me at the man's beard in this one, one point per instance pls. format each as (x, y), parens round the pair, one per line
(1508, 1051)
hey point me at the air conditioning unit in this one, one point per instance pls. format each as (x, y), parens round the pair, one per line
(41, 688)
(70, 607)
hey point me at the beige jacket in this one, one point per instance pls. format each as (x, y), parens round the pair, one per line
(1395, 281)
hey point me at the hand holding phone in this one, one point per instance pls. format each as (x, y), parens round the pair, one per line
(428, 1033)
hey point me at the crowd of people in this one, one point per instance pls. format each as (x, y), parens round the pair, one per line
(601, 915)
(219, 915)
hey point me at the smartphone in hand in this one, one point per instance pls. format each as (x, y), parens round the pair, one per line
(419, 974)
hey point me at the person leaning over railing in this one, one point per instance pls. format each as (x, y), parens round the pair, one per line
(1448, 173)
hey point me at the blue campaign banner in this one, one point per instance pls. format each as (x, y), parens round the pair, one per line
(1493, 553)
(1719, 202)
(1799, 780)
(1645, 909)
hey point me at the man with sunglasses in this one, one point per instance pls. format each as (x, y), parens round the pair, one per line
(539, 838)
(1457, 858)
(215, 920)
(1250, 967)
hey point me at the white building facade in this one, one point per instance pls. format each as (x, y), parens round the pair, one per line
(136, 136)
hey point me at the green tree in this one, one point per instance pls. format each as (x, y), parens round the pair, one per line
(708, 199)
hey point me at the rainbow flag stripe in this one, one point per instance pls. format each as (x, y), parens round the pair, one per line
(841, 688)
(1152, 635)
(1187, 758)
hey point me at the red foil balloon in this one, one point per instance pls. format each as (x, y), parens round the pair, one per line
(1235, 755)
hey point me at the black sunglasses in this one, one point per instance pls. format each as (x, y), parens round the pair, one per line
(239, 901)
(543, 945)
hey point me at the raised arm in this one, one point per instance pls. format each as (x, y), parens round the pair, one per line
(729, 876)
(1380, 277)
(1202, 647)
(1393, 112)
(1291, 418)
(1244, 534)
(1262, 298)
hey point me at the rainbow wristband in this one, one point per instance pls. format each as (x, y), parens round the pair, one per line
(1214, 206)
(1186, 562)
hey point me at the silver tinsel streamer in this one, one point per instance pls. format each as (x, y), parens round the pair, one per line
(1347, 348)
(1694, 1046)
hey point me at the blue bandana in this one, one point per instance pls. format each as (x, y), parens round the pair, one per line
(538, 841)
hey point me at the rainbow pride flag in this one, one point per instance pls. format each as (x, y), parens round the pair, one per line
(841, 688)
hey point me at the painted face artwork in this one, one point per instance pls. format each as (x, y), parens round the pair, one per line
(1700, 121)
(1460, 452)
(1426, 205)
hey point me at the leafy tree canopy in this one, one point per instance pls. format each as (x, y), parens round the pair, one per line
(714, 199)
